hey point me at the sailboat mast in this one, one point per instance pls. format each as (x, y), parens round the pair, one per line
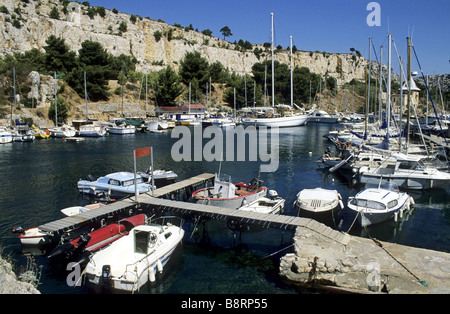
(388, 92)
(56, 101)
(368, 89)
(273, 68)
(85, 95)
(292, 80)
(380, 96)
(409, 78)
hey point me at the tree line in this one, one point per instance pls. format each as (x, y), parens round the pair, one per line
(167, 84)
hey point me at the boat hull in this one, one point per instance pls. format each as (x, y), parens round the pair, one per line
(281, 122)
(204, 197)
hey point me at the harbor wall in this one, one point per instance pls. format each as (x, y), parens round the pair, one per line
(364, 265)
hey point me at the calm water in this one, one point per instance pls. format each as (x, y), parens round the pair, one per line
(39, 179)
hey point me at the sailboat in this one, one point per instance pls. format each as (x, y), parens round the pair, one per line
(289, 118)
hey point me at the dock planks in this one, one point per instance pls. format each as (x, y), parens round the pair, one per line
(158, 202)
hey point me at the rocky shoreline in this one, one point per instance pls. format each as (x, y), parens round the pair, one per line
(10, 283)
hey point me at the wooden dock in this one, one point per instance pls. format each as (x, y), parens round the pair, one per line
(122, 206)
(161, 202)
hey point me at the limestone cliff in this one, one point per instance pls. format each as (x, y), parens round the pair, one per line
(27, 24)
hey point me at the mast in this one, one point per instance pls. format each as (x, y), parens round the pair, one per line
(388, 93)
(85, 95)
(380, 96)
(368, 89)
(273, 69)
(409, 78)
(401, 102)
(292, 79)
(56, 101)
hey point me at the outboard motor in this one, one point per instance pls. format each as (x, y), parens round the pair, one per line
(18, 229)
(273, 194)
(256, 182)
(105, 279)
(90, 177)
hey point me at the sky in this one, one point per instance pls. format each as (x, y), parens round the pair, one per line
(332, 26)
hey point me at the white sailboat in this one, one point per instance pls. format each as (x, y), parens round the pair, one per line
(289, 118)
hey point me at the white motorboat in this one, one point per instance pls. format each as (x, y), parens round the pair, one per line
(264, 205)
(75, 210)
(407, 172)
(226, 194)
(122, 129)
(63, 131)
(320, 204)
(223, 122)
(133, 260)
(31, 237)
(91, 130)
(23, 133)
(5, 135)
(160, 177)
(116, 185)
(321, 116)
(378, 204)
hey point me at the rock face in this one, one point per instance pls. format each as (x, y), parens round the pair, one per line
(28, 25)
(9, 283)
(363, 265)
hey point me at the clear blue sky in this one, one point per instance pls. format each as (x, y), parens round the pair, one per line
(326, 25)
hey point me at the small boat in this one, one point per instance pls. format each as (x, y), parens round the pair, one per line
(223, 122)
(97, 239)
(320, 204)
(378, 204)
(265, 205)
(161, 177)
(91, 130)
(75, 210)
(116, 185)
(229, 195)
(23, 133)
(5, 135)
(31, 237)
(63, 131)
(40, 134)
(321, 116)
(118, 126)
(132, 261)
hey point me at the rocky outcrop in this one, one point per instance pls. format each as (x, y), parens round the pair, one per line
(9, 284)
(27, 25)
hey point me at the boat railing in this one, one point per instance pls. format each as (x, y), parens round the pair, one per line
(167, 220)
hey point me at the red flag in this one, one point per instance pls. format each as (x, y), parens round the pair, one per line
(141, 152)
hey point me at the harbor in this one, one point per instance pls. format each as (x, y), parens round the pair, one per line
(270, 236)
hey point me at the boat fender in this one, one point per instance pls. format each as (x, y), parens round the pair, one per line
(159, 266)
(341, 204)
(233, 224)
(152, 274)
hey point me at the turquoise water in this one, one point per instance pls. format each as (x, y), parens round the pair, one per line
(39, 179)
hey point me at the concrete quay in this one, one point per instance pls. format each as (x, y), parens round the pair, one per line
(364, 266)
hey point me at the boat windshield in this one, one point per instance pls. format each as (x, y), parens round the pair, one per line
(368, 204)
(390, 186)
(131, 182)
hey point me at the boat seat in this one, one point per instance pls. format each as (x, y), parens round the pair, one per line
(242, 192)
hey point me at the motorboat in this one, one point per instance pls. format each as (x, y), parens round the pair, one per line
(223, 122)
(75, 210)
(264, 205)
(132, 261)
(321, 116)
(118, 126)
(91, 130)
(226, 194)
(320, 204)
(31, 236)
(63, 131)
(5, 135)
(23, 133)
(97, 239)
(378, 204)
(160, 177)
(116, 185)
(40, 134)
(407, 172)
